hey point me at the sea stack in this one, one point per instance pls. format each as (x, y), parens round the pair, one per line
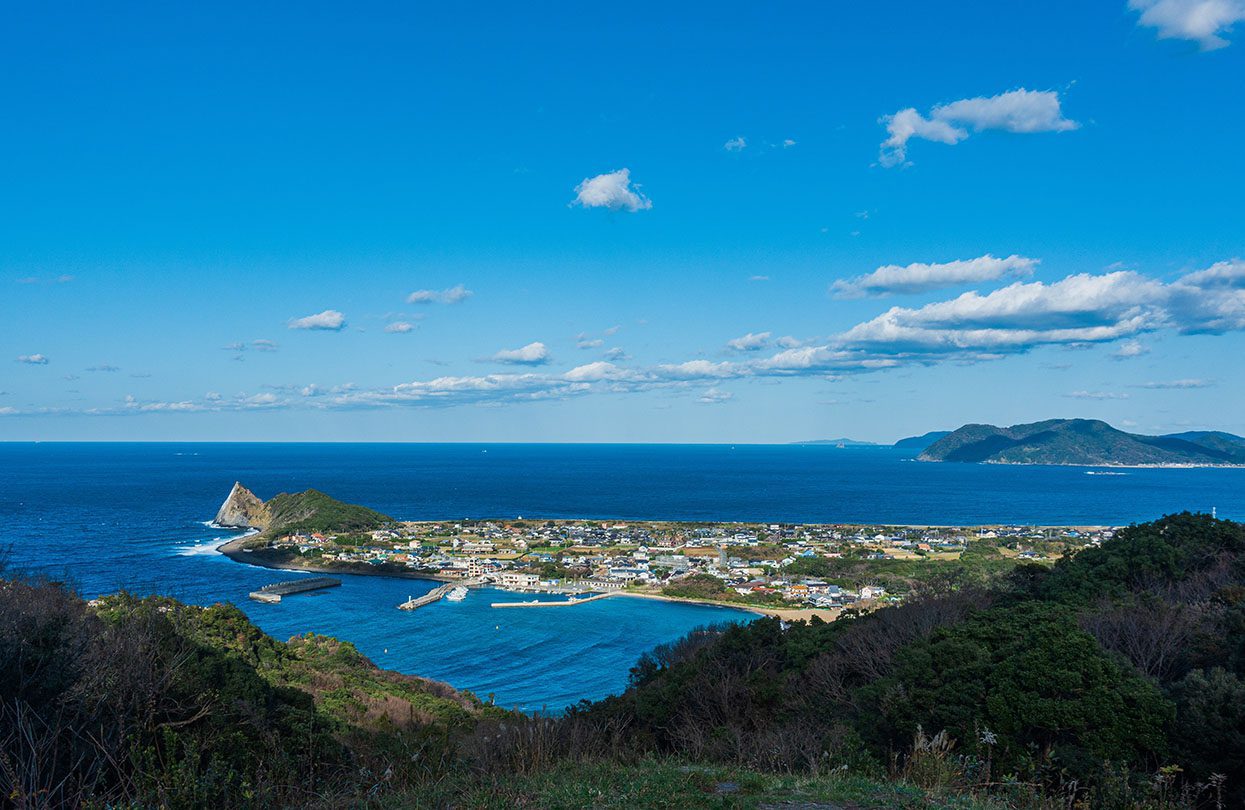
(243, 509)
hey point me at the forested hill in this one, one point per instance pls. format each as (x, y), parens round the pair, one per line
(1117, 661)
(1087, 442)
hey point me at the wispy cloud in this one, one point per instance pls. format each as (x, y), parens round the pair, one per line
(1202, 21)
(33, 359)
(328, 320)
(1176, 385)
(919, 277)
(750, 342)
(1021, 111)
(1096, 395)
(613, 191)
(735, 144)
(104, 368)
(533, 354)
(1130, 349)
(400, 327)
(453, 295)
(714, 396)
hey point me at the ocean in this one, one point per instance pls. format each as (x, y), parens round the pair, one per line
(135, 516)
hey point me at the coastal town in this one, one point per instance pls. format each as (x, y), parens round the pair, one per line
(779, 565)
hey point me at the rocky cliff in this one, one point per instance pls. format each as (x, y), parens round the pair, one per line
(243, 509)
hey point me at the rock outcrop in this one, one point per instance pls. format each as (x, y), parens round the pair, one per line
(243, 509)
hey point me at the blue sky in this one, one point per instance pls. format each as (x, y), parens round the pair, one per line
(660, 222)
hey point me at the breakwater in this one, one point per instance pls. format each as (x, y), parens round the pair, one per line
(434, 595)
(274, 592)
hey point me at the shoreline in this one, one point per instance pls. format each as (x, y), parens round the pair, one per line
(786, 614)
(232, 549)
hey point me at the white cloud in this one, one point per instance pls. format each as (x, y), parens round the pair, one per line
(104, 368)
(750, 342)
(613, 191)
(533, 354)
(600, 371)
(788, 143)
(698, 370)
(1203, 21)
(329, 319)
(1078, 309)
(735, 144)
(590, 343)
(616, 353)
(921, 277)
(1130, 349)
(399, 327)
(715, 396)
(1022, 111)
(758, 278)
(453, 295)
(907, 124)
(265, 345)
(33, 359)
(1220, 275)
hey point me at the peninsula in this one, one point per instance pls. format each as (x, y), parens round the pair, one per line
(788, 570)
(1085, 442)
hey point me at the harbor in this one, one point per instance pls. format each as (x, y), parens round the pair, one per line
(273, 593)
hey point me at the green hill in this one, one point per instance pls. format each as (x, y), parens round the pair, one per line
(314, 511)
(287, 513)
(1087, 442)
(923, 441)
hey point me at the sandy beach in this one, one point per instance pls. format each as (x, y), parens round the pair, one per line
(786, 614)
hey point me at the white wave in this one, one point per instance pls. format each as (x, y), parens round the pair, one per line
(208, 547)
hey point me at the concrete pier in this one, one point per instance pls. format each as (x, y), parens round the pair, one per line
(434, 595)
(273, 593)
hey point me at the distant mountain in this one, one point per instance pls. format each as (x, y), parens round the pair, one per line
(841, 442)
(1087, 442)
(921, 442)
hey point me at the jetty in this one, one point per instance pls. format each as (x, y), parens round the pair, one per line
(273, 593)
(434, 595)
(558, 603)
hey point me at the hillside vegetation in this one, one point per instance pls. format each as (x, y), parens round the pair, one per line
(1088, 442)
(314, 511)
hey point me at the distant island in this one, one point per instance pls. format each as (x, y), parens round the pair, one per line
(910, 443)
(843, 442)
(1085, 442)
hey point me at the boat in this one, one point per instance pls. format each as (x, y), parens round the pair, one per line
(456, 594)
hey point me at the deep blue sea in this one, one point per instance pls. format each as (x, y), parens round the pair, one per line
(111, 516)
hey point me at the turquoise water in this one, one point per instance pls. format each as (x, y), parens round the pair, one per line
(110, 516)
